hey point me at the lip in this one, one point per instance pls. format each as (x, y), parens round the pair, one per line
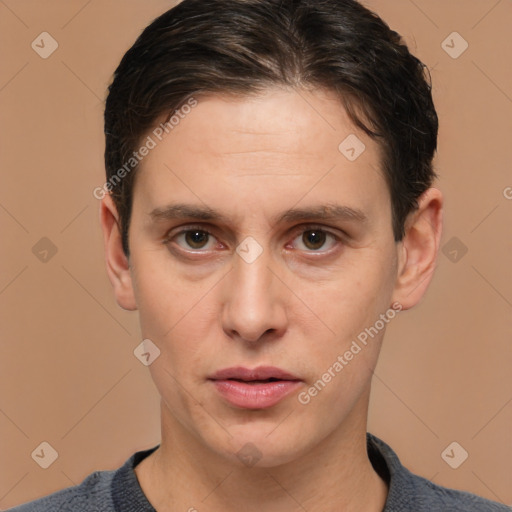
(242, 388)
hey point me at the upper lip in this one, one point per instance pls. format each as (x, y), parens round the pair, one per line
(248, 374)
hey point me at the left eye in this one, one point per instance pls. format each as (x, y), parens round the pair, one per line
(314, 239)
(195, 238)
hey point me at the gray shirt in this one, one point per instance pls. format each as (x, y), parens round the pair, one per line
(119, 490)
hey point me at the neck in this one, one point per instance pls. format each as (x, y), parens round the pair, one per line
(336, 475)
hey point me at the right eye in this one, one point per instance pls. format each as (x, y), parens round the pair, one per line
(193, 239)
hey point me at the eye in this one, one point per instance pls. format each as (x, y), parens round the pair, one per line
(308, 238)
(314, 238)
(195, 239)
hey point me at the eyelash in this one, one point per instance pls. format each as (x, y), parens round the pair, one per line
(296, 232)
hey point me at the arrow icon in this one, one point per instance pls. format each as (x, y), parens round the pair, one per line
(454, 45)
(249, 249)
(454, 249)
(351, 147)
(44, 250)
(146, 352)
(44, 45)
(454, 455)
(44, 455)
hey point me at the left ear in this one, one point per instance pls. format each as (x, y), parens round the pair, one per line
(118, 266)
(418, 249)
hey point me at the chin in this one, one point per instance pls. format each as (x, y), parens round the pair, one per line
(264, 447)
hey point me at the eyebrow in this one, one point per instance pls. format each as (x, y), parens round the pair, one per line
(329, 211)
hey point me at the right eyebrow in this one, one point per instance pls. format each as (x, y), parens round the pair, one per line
(186, 211)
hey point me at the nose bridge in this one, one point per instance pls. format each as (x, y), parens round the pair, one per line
(252, 279)
(253, 304)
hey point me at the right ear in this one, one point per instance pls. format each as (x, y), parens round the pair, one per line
(118, 265)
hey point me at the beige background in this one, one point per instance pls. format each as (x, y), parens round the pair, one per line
(68, 375)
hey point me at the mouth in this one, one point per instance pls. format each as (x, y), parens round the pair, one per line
(258, 388)
(260, 381)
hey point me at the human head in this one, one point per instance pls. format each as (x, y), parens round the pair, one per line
(236, 165)
(219, 46)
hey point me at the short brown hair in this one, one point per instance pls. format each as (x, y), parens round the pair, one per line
(244, 46)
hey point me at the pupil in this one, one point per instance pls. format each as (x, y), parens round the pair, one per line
(314, 240)
(195, 238)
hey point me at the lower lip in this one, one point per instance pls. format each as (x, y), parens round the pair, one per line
(255, 396)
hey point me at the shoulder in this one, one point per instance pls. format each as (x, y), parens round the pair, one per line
(92, 495)
(410, 492)
(430, 496)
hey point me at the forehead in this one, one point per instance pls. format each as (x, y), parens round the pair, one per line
(271, 149)
(294, 121)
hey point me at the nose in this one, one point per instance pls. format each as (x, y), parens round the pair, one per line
(254, 301)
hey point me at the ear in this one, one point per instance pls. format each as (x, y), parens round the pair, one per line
(417, 251)
(118, 266)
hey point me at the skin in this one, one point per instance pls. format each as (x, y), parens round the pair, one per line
(298, 306)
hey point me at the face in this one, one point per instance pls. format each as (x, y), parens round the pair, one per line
(260, 251)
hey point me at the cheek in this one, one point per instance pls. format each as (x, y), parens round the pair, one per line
(164, 298)
(354, 296)
(346, 310)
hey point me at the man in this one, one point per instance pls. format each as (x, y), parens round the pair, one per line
(268, 210)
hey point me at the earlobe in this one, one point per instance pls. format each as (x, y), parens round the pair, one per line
(118, 266)
(419, 249)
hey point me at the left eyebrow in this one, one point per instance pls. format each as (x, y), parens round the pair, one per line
(329, 212)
